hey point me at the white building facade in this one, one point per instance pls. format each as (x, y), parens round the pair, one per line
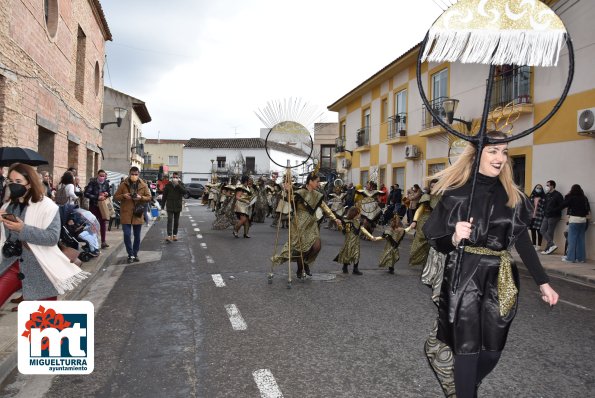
(228, 157)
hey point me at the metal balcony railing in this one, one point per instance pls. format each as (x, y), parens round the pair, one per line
(511, 84)
(397, 126)
(363, 136)
(339, 145)
(427, 120)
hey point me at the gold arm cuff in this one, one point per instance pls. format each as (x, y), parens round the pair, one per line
(327, 211)
(366, 233)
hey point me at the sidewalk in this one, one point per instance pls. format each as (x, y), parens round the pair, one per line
(8, 319)
(554, 266)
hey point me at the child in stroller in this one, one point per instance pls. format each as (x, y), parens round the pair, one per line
(81, 229)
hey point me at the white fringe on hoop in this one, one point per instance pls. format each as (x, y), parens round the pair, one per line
(496, 47)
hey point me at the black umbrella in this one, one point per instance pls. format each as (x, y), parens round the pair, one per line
(10, 155)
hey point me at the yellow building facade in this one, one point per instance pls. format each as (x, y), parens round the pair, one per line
(386, 134)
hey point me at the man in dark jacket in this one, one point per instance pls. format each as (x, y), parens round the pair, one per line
(551, 215)
(173, 194)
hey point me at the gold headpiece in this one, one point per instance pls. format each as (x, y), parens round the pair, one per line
(503, 118)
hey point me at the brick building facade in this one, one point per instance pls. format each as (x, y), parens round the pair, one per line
(51, 80)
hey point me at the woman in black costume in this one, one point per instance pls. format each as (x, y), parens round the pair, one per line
(476, 310)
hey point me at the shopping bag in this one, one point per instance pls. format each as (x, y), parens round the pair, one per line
(106, 207)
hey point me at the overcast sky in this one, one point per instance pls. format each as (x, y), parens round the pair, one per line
(204, 67)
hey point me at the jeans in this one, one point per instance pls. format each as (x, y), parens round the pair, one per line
(548, 227)
(132, 249)
(173, 217)
(576, 242)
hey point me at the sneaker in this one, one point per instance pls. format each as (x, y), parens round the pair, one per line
(130, 259)
(566, 260)
(551, 249)
(135, 259)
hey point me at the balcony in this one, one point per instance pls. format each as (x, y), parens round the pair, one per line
(428, 121)
(397, 126)
(511, 84)
(339, 145)
(363, 136)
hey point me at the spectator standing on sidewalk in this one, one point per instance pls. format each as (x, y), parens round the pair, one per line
(578, 213)
(98, 190)
(132, 193)
(173, 196)
(552, 214)
(537, 197)
(45, 180)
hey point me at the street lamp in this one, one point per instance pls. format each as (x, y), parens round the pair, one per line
(212, 170)
(120, 114)
(449, 106)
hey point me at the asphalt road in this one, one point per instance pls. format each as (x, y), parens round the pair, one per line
(169, 328)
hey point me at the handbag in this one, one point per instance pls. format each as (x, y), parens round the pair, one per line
(139, 210)
(106, 207)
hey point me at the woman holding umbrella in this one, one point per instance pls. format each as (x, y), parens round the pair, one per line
(474, 317)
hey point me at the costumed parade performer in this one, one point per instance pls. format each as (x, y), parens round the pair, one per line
(305, 231)
(245, 198)
(226, 216)
(350, 251)
(420, 246)
(370, 208)
(393, 236)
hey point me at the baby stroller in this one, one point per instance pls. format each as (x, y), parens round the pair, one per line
(81, 226)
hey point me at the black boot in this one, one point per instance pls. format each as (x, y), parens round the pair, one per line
(345, 270)
(307, 269)
(355, 270)
(391, 270)
(300, 271)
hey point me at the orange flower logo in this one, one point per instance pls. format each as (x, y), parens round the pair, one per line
(43, 319)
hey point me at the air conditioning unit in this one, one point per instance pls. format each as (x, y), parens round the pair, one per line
(585, 121)
(345, 163)
(411, 151)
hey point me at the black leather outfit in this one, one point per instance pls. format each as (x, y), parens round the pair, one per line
(468, 319)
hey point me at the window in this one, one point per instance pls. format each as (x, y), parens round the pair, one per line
(439, 84)
(172, 160)
(97, 78)
(399, 125)
(367, 116)
(384, 110)
(250, 164)
(220, 162)
(435, 168)
(50, 9)
(399, 176)
(343, 130)
(326, 156)
(363, 177)
(79, 84)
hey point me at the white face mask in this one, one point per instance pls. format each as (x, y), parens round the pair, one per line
(546, 189)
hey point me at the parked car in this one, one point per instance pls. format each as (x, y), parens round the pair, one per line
(194, 190)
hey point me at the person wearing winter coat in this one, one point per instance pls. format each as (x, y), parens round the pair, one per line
(173, 197)
(132, 194)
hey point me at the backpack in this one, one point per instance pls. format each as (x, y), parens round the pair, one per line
(60, 198)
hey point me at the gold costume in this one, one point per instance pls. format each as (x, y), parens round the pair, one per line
(304, 227)
(350, 251)
(244, 201)
(390, 254)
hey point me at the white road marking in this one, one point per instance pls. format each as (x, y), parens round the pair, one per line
(199, 236)
(218, 279)
(266, 384)
(571, 304)
(203, 245)
(210, 260)
(194, 224)
(197, 229)
(237, 322)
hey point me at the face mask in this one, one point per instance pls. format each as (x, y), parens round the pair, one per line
(547, 189)
(17, 190)
(538, 190)
(101, 179)
(175, 180)
(134, 178)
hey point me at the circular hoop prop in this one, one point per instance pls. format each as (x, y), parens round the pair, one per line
(486, 110)
(288, 139)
